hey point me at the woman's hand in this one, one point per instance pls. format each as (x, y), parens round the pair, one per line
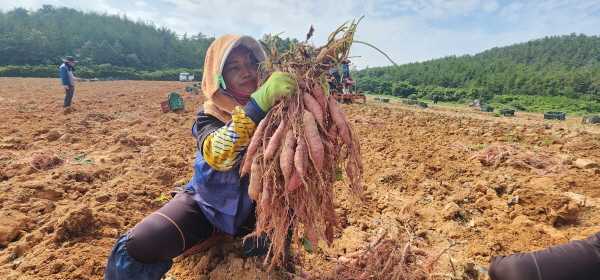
(279, 86)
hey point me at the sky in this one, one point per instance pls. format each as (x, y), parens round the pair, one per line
(406, 30)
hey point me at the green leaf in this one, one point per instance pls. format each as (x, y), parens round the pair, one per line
(307, 246)
(82, 159)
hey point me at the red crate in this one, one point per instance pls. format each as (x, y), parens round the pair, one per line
(164, 105)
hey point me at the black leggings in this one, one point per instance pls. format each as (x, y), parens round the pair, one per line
(173, 229)
(575, 260)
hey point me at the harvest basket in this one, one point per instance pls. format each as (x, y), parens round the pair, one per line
(554, 115)
(385, 100)
(376, 98)
(176, 103)
(164, 105)
(173, 95)
(423, 104)
(507, 112)
(485, 108)
(188, 89)
(590, 119)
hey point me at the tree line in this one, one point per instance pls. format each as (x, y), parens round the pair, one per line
(557, 72)
(98, 41)
(33, 43)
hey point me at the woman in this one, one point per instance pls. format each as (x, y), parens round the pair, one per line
(215, 201)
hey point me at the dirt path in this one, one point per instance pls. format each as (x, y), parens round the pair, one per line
(72, 181)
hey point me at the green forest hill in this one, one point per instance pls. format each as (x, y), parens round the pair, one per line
(559, 73)
(33, 44)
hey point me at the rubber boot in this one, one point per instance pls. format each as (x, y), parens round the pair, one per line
(255, 246)
(121, 266)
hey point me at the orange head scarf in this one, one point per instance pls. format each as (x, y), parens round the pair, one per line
(221, 105)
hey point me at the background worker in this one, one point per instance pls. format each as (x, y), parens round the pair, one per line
(578, 259)
(215, 202)
(68, 79)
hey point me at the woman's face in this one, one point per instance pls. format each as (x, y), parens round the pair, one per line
(240, 72)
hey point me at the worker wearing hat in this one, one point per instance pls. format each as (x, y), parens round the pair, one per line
(68, 79)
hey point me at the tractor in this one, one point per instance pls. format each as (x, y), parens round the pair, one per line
(341, 85)
(475, 104)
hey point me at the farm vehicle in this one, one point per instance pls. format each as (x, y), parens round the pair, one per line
(475, 104)
(186, 77)
(341, 85)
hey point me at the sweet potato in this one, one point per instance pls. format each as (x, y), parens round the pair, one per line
(311, 235)
(294, 182)
(357, 156)
(338, 118)
(256, 139)
(266, 194)
(274, 141)
(313, 139)
(252, 147)
(286, 158)
(313, 107)
(301, 157)
(245, 166)
(350, 171)
(320, 95)
(255, 183)
(329, 234)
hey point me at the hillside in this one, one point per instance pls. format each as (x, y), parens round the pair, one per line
(47, 35)
(552, 67)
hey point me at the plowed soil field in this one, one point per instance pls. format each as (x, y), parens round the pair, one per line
(73, 180)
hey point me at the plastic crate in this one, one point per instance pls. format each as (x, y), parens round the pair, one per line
(590, 119)
(423, 104)
(485, 108)
(173, 95)
(410, 102)
(176, 103)
(554, 115)
(385, 100)
(507, 112)
(164, 105)
(376, 98)
(188, 89)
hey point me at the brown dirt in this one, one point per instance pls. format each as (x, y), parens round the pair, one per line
(62, 213)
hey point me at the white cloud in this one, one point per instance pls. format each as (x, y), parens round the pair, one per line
(407, 30)
(490, 6)
(141, 4)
